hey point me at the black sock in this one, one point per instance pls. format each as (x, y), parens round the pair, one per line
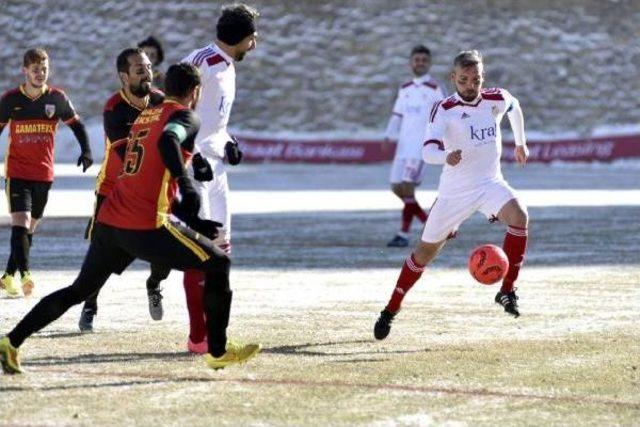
(20, 247)
(12, 267)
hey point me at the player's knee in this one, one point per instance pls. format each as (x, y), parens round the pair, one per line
(520, 217)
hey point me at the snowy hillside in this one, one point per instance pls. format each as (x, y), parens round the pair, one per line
(323, 66)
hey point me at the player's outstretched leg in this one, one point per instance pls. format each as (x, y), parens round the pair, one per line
(409, 275)
(154, 292)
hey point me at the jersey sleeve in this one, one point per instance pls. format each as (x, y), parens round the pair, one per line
(186, 124)
(112, 122)
(67, 112)
(436, 126)
(5, 110)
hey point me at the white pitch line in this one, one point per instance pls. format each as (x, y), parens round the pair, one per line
(79, 203)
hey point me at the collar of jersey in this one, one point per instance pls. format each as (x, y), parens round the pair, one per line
(473, 103)
(128, 101)
(24, 91)
(422, 79)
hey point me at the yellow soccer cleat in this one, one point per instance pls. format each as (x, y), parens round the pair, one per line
(6, 283)
(9, 357)
(27, 284)
(236, 353)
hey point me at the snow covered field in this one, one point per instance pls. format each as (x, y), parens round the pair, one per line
(311, 272)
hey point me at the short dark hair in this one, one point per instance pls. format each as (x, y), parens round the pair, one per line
(122, 62)
(420, 49)
(181, 79)
(236, 22)
(34, 55)
(154, 43)
(467, 58)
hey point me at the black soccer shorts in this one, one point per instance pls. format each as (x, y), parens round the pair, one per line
(27, 196)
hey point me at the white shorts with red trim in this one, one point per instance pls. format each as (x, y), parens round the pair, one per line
(214, 197)
(447, 213)
(407, 170)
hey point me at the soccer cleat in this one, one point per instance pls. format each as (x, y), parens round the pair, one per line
(383, 324)
(236, 353)
(86, 320)
(6, 283)
(201, 347)
(27, 284)
(9, 357)
(155, 303)
(398, 242)
(509, 301)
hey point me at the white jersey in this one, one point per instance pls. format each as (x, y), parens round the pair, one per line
(473, 128)
(410, 115)
(218, 93)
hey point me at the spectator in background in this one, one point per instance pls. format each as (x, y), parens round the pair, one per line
(155, 53)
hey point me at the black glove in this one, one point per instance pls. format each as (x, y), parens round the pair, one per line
(85, 160)
(190, 200)
(201, 168)
(203, 226)
(233, 152)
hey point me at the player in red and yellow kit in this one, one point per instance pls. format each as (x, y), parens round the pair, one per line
(134, 223)
(120, 111)
(32, 112)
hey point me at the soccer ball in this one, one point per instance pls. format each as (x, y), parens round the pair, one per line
(488, 264)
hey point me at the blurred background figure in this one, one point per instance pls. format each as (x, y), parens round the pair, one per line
(155, 53)
(407, 126)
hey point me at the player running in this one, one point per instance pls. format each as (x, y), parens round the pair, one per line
(120, 111)
(407, 126)
(133, 222)
(32, 112)
(235, 36)
(464, 135)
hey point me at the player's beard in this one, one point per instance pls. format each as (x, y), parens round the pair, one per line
(468, 96)
(140, 90)
(240, 56)
(420, 71)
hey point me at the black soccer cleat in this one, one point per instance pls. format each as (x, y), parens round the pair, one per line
(509, 301)
(383, 324)
(85, 324)
(398, 242)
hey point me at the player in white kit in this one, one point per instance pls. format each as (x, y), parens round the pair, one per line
(235, 36)
(464, 135)
(407, 126)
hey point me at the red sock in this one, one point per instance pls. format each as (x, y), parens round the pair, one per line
(407, 213)
(410, 273)
(515, 245)
(419, 212)
(194, 290)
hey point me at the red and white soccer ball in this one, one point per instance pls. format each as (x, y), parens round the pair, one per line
(488, 264)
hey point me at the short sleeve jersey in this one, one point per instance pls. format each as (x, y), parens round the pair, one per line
(474, 128)
(413, 104)
(144, 191)
(32, 126)
(218, 93)
(118, 116)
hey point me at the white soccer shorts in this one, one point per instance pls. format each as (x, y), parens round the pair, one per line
(214, 197)
(447, 213)
(407, 170)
